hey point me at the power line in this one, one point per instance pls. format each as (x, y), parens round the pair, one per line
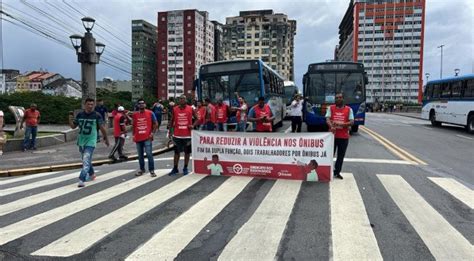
(47, 35)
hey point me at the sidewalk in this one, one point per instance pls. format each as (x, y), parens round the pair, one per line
(415, 115)
(67, 156)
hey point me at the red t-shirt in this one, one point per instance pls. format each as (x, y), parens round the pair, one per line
(260, 112)
(201, 115)
(119, 123)
(142, 125)
(221, 113)
(182, 118)
(31, 117)
(211, 113)
(340, 115)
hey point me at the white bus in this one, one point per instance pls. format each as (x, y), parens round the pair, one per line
(450, 100)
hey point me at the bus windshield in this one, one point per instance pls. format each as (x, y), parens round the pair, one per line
(223, 86)
(322, 87)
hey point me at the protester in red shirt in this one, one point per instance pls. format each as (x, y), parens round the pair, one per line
(340, 118)
(32, 119)
(144, 127)
(222, 113)
(211, 115)
(200, 112)
(182, 123)
(262, 115)
(120, 132)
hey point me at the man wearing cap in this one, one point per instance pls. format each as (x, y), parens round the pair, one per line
(262, 115)
(120, 132)
(32, 119)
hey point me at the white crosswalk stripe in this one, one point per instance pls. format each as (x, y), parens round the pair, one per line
(444, 242)
(352, 235)
(38, 184)
(456, 189)
(259, 235)
(5, 181)
(54, 193)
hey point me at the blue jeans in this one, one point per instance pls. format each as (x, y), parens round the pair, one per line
(210, 126)
(87, 168)
(145, 146)
(27, 142)
(242, 126)
(221, 126)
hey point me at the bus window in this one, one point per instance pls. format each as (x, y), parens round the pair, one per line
(436, 91)
(456, 89)
(469, 91)
(445, 90)
(428, 91)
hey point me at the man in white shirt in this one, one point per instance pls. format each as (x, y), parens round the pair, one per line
(215, 167)
(296, 113)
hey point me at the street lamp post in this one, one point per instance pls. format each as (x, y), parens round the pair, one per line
(88, 55)
(456, 72)
(427, 75)
(175, 52)
(441, 67)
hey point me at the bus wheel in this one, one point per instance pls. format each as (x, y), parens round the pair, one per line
(355, 128)
(470, 124)
(433, 119)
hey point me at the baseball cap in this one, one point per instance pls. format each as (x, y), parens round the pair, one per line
(120, 108)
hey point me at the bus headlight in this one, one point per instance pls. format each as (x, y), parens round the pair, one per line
(361, 108)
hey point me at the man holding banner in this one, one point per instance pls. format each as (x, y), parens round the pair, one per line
(340, 118)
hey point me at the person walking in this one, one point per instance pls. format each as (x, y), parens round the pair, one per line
(158, 109)
(339, 119)
(296, 113)
(144, 127)
(120, 133)
(32, 119)
(182, 123)
(262, 115)
(88, 121)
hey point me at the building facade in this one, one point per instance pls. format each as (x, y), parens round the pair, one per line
(185, 42)
(262, 34)
(387, 37)
(218, 41)
(144, 37)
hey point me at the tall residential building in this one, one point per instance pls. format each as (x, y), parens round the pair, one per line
(185, 42)
(143, 59)
(262, 34)
(218, 41)
(387, 37)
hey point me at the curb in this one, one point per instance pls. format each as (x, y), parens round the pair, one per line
(68, 166)
(409, 116)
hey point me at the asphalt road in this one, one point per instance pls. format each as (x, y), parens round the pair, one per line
(386, 207)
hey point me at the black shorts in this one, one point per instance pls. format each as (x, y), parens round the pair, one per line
(182, 145)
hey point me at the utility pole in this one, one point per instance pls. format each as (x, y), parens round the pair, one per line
(88, 55)
(441, 67)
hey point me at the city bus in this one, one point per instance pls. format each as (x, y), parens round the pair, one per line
(290, 91)
(320, 84)
(450, 100)
(250, 78)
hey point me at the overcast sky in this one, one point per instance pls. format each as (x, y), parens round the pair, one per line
(447, 22)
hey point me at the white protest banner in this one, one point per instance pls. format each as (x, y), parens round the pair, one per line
(300, 156)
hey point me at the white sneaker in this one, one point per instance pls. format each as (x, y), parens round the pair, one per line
(81, 184)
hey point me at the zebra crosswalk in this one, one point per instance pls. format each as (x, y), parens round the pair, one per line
(120, 216)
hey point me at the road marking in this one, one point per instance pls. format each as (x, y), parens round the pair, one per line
(459, 191)
(465, 137)
(392, 147)
(13, 180)
(260, 236)
(288, 130)
(74, 242)
(50, 194)
(386, 161)
(41, 183)
(166, 244)
(427, 128)
(352, 235)
(26, 226)
(443, 241)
